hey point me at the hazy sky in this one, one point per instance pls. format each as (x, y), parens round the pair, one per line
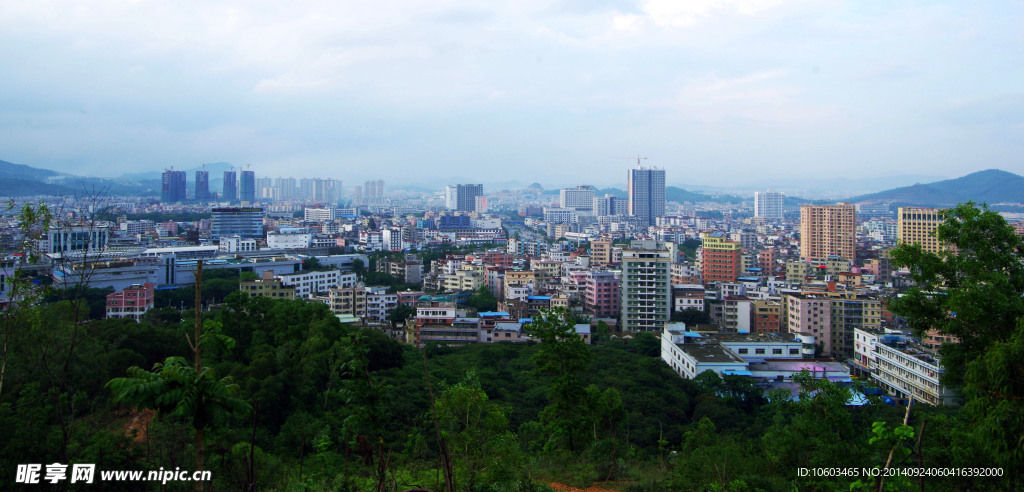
(549, 91)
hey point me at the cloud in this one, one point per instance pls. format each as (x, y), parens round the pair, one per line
(688, 13)
(394, 82)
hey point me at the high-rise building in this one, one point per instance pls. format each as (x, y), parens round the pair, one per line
(917, 225)
(306, 187)
(172, 187)
(721, 259)
(769, 205)
(646, 195)
(462, 197)
(286, 188)
(230, 190)
(827, 230)
(610, 205)
(646, 287)
(326, 190)
(247, 187)
(246, 222)
(374, 189)
(580, 198)
(202, 186)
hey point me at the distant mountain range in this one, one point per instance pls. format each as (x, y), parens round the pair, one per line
(21, 180)
(216, 170)
(676, 194)
(833, 186)
(990, 186)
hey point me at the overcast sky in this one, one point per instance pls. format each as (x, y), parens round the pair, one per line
(548, 91)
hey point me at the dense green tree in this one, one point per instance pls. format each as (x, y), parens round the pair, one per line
(973, 291)
(482, 300)
(312, 264)
(647, 343)
(358, 267)
(563, 356)
(177, 389)
(994, 391)
(400, 313)
(692, 316)
(474, 427)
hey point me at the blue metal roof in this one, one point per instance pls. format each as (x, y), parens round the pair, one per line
(737, 372)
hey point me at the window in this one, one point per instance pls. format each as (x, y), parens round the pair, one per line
(742, 350)
(759, 351)
(777, 351)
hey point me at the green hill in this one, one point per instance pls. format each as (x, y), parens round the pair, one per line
(10, 187)
(10, 170)
(988, 186)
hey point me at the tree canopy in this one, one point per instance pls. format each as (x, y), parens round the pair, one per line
(972, 290)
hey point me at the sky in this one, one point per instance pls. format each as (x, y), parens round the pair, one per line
(563, 92)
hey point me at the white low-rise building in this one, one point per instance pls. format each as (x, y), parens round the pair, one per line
(688, 356)
(289, 241)
(379, 304)
(237, 244)
(308, 283)
(770, 357)
(902, 367)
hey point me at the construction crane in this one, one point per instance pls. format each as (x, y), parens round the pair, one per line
(638, 159)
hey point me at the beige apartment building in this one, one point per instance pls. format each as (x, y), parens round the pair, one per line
(828, 230)
(917, 225)
(601, 252)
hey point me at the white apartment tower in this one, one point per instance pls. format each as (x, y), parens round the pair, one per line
(462, 197)
(768, 204)
(580, 198)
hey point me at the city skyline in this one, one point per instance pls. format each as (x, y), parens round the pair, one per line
(755, 89)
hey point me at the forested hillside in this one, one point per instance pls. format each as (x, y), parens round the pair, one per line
(294, 400)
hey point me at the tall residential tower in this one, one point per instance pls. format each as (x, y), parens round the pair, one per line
(768, 205)
(646, 286)
(172, 187)
(828, 230)
(247, 187)
(230, 191)
(462, 197)
(202, 186)
(646, 194)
